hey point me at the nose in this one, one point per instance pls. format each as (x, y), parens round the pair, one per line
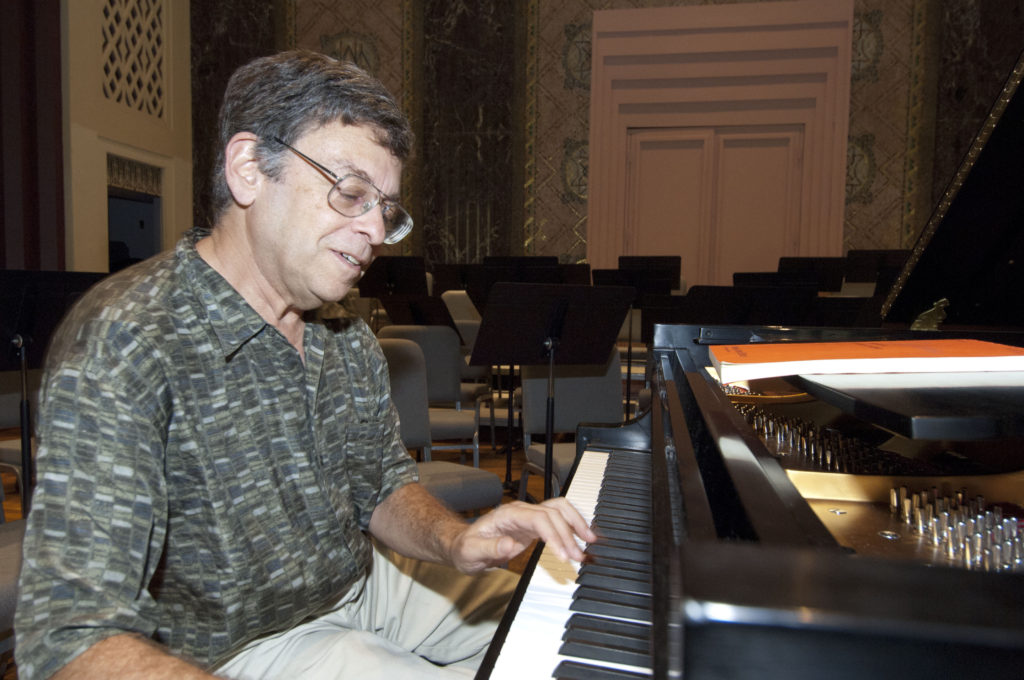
(371, 225)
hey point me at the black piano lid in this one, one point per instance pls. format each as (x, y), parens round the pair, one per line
(971, 251)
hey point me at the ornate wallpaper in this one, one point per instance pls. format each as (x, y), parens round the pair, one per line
(536, 202)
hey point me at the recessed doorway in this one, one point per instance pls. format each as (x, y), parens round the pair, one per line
(133, 227)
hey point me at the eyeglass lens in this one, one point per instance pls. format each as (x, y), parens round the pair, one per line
(353, 196)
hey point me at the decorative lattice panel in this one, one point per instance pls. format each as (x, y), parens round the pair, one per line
(133, 54)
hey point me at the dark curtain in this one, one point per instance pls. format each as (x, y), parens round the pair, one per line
(31, 146)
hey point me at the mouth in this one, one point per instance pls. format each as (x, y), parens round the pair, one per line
(351, 260)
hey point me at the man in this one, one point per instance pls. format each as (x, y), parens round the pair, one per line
(209, 462)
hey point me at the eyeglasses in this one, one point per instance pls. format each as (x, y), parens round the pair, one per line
(354, 196)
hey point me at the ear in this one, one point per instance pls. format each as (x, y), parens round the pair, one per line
(241, 168)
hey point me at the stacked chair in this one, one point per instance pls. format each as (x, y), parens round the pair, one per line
(454, 404)
(460, 487)
(12, 534)
(467, 320)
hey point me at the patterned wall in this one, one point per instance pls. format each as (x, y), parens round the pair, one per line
(880, 194)
(225, 35)
(892, 112)
(981, 41)
(376, 35)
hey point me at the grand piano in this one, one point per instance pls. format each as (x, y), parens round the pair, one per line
(809, 527)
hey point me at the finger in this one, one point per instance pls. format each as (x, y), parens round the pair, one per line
(575, 519)
(557, 533)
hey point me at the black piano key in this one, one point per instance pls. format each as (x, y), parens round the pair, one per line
(626, 480)
(634, 570)
(603, 639)
(633, 487)
(626, 543)
(611, 563)
(616, 582)
(618, 553)
(640, 527)
(625, 499)
(622, 513)
(591, 605)
(610, 650)
(619, 499)
(611, 603)
(638, 472)
(631, 479)
(578, 623)
(617, 459)
(613, 532)
(628, 488)
(572, 670)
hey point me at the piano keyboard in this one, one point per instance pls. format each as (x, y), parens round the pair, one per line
(592, 621)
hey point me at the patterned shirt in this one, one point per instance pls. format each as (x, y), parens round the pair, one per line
(198, 483)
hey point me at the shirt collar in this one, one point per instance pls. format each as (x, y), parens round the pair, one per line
(232, 319)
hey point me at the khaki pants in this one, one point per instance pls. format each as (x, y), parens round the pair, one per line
(407, 619)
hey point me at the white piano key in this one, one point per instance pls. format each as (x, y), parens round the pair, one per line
(531, 647)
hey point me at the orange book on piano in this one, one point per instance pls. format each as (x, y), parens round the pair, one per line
(766, 360)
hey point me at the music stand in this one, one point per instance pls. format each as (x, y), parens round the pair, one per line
(419, 310)
(654, 281)
(32, 303)
(394, 275)
(666, 268)
(529, 324)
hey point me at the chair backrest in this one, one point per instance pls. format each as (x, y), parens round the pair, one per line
(408, 373)
(460, 306)
(468, 329)
(12, 535)
(442, 350)
(583, 394)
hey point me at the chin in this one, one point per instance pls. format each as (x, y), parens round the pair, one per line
(335, 293)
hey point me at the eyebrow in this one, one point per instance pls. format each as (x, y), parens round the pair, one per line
(347, 168)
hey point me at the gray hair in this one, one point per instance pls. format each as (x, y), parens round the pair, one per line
(291, 93)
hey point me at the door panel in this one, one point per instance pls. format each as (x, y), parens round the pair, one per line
(725, 199)
(669, 195)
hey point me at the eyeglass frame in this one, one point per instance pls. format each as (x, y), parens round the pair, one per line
(381, 200)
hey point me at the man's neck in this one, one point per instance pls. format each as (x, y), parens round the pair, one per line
(230, 255)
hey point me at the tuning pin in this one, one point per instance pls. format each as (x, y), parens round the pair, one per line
(978, 548)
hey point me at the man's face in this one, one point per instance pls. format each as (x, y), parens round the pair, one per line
(306, 251)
